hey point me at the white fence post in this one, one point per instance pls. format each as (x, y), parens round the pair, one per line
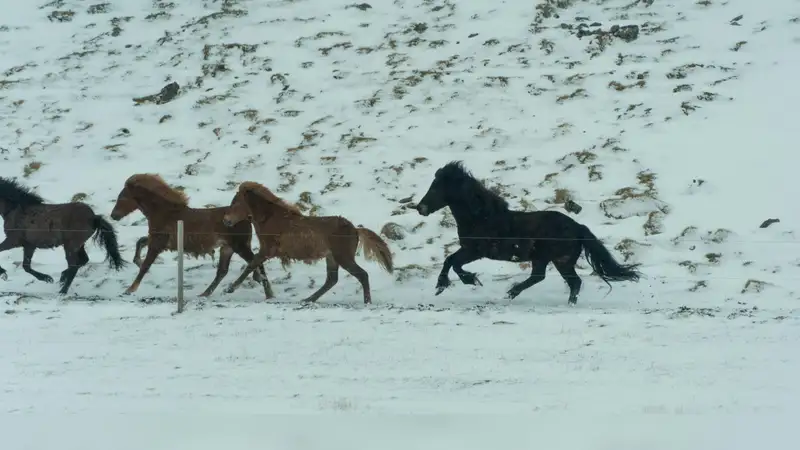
(181, 302)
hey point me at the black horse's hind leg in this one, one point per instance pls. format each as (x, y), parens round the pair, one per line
(75, 260)
(83, 259)
(567, 270)
(27, 258)
(457, 260)
(538, 270)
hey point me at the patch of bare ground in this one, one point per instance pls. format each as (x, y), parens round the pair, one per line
(639, 200)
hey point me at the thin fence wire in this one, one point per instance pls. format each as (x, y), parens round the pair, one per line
(674, 240)
(314, 271)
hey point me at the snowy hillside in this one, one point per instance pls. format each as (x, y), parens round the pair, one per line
(670, 122)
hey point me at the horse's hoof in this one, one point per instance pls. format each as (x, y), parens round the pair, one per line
(46, 278)
(204, 294)
(470, 279)
(4, 276)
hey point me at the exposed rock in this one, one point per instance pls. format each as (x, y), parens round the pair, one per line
(768, 222)
(572, 207)
(393, 231)
(166, 95)
(627, 33)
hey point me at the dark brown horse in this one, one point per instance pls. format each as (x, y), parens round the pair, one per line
(285, 233)
(30, 223)
(204, 231)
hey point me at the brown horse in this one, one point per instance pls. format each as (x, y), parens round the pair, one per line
(285, 233)
(204, 231)
(30, 223)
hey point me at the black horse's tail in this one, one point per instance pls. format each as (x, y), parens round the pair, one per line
(106, 236)
(603, 263)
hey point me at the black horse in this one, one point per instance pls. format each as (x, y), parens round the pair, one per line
(30, 223)
(487, 228)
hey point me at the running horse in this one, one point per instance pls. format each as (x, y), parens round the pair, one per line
(285, 233)
(32, 224)
(164, 206)
(487, 228)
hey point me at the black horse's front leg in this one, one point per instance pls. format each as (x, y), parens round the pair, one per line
(6, 245)
(456, 261)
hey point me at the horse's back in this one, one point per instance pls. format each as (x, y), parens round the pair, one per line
(543, 223)
(62, 213)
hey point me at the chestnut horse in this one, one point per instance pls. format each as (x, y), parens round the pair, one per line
(204, 231)
(285, 233)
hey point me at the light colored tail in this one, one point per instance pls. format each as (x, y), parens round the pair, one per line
(375, 248)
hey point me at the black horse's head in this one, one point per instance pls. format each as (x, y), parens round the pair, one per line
(446, 186)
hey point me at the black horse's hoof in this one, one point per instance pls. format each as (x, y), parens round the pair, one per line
(46, 278)
(471, 279)
(442, 284)
(4, 275)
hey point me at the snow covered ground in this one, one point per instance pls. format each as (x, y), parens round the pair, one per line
(678, 138)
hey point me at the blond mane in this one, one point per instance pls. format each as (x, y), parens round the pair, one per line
(267, 195)
(156, 185)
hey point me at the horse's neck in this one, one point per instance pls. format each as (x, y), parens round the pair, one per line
(267, 213)
(156, 208)
(466, 219)
(9, 213)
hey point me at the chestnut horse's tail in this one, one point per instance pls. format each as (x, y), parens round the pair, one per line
(375, 248)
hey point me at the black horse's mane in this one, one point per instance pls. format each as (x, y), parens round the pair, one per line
(472, 192)
(17, 194)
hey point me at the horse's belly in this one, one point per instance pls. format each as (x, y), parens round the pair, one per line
(511, 250)
(43, 239)
(196, 244)
(302, 246)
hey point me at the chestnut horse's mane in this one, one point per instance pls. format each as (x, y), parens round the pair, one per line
(156, 185)
(267, 195)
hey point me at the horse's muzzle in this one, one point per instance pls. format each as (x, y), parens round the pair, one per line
(422, 209)
(227, 222)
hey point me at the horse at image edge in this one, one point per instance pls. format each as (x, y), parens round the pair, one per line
(32, 224)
